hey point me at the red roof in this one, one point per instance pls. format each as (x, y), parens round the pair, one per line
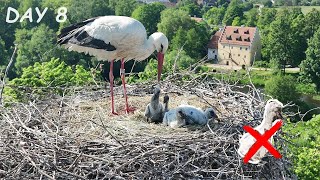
(213, 43)
(237, 35)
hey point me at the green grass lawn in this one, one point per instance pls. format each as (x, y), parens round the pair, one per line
(304, 9)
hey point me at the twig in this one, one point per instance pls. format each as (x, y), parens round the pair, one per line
(6, 73)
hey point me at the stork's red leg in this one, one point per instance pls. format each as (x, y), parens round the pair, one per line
(122, 73)
(111, 87)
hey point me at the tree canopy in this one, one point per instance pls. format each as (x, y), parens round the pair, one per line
(149, 15)
(311, 66)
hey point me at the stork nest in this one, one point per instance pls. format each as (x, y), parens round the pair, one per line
(73, 136)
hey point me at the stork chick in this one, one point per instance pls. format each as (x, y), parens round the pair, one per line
(187, 115)
(272, 112)
(154, 110)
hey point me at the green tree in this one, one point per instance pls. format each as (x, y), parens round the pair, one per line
(50, 16)
(197, 39)
(5, 28)
(304, 149)
(34, 46)
(246, 6)
(3, 54)
(172, 20)
(48, 74)
(236, 21)
(125, 7)
(185, 2)
(215, 15)
(180, 39)
(222, 3)
(266, 17)
(176, 61)
(282, 88)
(192, 9)
(234, 10)
(93, 8)
(149, 15)
(299, 40)
(281, 41)
(251, 17)
(267, 3)
(23, 7)
(193, 40)
(311, 23)
(311, 66)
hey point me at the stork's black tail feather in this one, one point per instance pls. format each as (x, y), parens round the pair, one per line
(68, 32)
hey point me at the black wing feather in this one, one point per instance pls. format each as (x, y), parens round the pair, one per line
(76, 34)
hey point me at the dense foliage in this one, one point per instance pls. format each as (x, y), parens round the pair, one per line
(282, 88)
(149, 15)
(176, 61)
(305, 148)
(311, 66)
(53, 73)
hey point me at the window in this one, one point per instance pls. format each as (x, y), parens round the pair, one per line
(245, 56)
(227, 63)
(236, 31)
(215, 56)
(240, 48)
(229, 55)
(247, 39)
(231, 47)
(246, 49)
(239, 55)
(213, 51)
(224, 46)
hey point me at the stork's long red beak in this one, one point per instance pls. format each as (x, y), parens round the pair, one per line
(160, 65)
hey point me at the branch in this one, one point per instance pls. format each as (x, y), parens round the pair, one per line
(6, 73)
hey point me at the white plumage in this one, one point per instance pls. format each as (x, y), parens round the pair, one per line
(111, 38)
(126, 34)
(187, 115)
(272, 112)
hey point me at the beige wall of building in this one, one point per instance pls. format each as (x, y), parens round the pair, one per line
(233, 55)
(238, 55)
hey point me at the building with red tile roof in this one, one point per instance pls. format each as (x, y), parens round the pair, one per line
(237, 45)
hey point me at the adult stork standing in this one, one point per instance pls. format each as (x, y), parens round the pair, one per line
(112, 38)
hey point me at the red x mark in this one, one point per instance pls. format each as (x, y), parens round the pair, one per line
(262, 141)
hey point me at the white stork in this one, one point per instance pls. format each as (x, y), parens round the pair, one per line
(111, 38)
(272, 112)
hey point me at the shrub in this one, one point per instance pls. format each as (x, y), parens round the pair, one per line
(261, 64)
(304, 149)
(175, 61)
(306, 88)
(282, 88)
(47, 74)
